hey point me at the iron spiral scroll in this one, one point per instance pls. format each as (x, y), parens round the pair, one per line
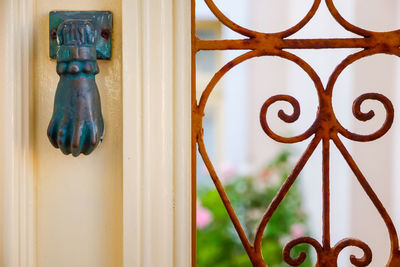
(326, 128)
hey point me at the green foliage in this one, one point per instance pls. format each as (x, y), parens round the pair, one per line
(218, 244)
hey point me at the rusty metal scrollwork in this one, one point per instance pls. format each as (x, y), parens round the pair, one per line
(326, 128)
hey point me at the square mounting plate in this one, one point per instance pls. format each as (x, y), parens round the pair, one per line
(102, 21)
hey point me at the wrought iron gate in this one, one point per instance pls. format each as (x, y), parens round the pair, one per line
(326, 127)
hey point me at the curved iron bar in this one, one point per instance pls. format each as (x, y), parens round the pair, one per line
(325, 256)
(295, 104)
(394, 239)
(255, 256)
(286, 118)
(344, 23)
(345, 63)
(369, 115)
(302, 256)
(224, 196)
(357, 103)
(254, 34)
(218, 76)
(283, 191)
(326, 127)
(347, 25)
(303, 22)
(229, 23)
(350, 242)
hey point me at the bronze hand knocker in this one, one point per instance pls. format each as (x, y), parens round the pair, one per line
(77, 123)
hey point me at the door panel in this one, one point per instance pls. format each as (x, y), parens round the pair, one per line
(79, 200)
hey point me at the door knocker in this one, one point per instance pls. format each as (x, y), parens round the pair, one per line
(77, 40)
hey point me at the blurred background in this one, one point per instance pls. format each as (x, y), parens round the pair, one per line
(252, 166)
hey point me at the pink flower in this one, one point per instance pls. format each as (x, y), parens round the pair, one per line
(204, 169)
(203, 216)
(297, 230)
(265, 174)
(227, 172)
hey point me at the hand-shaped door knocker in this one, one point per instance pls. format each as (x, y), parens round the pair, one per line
(77, 123)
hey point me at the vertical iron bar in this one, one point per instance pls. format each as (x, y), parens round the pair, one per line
(326, 235)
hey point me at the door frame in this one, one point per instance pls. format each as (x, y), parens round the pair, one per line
(17, 210)
(156, 134)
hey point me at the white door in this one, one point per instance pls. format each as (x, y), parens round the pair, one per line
(128, 203)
